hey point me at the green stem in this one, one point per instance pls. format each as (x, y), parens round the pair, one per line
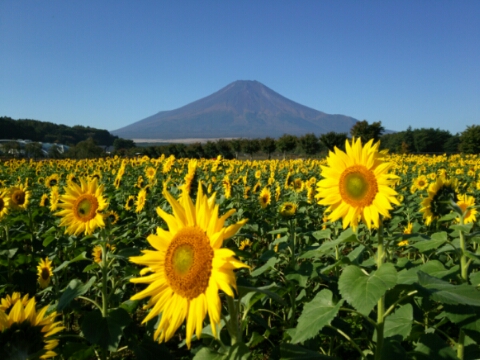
(233, 328)
(97, 305)
(381, 302)
(461, 345)
(354, 344)
(392, 307)
(104, 309)
(463, 258)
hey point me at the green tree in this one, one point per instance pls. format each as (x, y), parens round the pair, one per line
(123, 144)
(366, 131)
(236, 145)
(287, 143)
(332, 139)
(310, 144)
(83, 150)
(34, 150)
(224, 149)
(251, 146)
(470, 140)
(210, 150)
(268, 146)
(195, 150)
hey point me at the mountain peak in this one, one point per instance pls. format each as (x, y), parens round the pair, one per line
(243, 108)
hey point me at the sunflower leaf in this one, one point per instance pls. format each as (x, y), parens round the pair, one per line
(74, 289)
(363, 291)
(315, 315)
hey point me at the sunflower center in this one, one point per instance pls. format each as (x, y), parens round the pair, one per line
(85, 207)
(18, 197)
(2, 204)
(188, 262)
(358, 186)
(45, 274)
(52, 182)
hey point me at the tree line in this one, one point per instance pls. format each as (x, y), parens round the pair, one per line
(48, 132)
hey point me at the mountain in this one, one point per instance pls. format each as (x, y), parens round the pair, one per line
(243, 108)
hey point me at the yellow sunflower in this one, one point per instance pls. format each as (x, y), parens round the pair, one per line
(188, 266)
(25, 333)
(10, 300)
(44, 201)
(245, 243)
(52, 180)
(130, 202)
(288, 209)
(54, 198)
(4, 202)
(406, 231)
(437, 203)
(150, 172)
(265, 197)
(465, 202)
(141, 200)
(111, 217)
(81, 207)
(19, 196)
(356, 184)
(45, 272)
(421, 182)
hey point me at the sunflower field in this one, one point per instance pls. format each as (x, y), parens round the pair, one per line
(361, 255)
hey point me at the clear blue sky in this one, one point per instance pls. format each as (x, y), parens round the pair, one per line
(108, 64)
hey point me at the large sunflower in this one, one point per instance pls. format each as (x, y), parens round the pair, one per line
(19, 196)
(81, 207)
(25, 332)
(188, 266)
(356, 184)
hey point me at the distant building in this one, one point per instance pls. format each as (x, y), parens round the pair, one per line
(18, 148)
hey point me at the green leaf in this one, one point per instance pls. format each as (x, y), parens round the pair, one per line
(239, 351)
(105, 332)
(475, 278)
(278, 231)
(363, 291)
(80, 257)
(346, 236)
(322, 234)
(206, 353)
(270, 264)
(315, 315)
(400, 322)
(447, 293)
(431, 346)
(74, 289)
(296, 352)
(393, 350)
(435, 242)
(434, 268)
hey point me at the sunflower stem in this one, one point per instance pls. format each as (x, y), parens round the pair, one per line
(233, 327)
(381, 302)
(463, 257)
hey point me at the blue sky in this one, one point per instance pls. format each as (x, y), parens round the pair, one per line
(108, 64)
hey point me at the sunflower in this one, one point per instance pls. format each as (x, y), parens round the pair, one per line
(111, 217)
(141, 200)
(52, 180)
(244, 243)
(54, 198)
(420, 182)
(465, 202)
(19, 196)
(188, 266)
(4, 202)
(10, 300)
(357, 185)
(130, 202)
(265, 197)
(25, 333)
(407, 230)
(45, 272)
(437, 203)
(150, 173)
(288, 209)
(81, 207)
(97, 252)
(44, 201)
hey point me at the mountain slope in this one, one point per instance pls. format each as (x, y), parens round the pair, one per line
(241, 109)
